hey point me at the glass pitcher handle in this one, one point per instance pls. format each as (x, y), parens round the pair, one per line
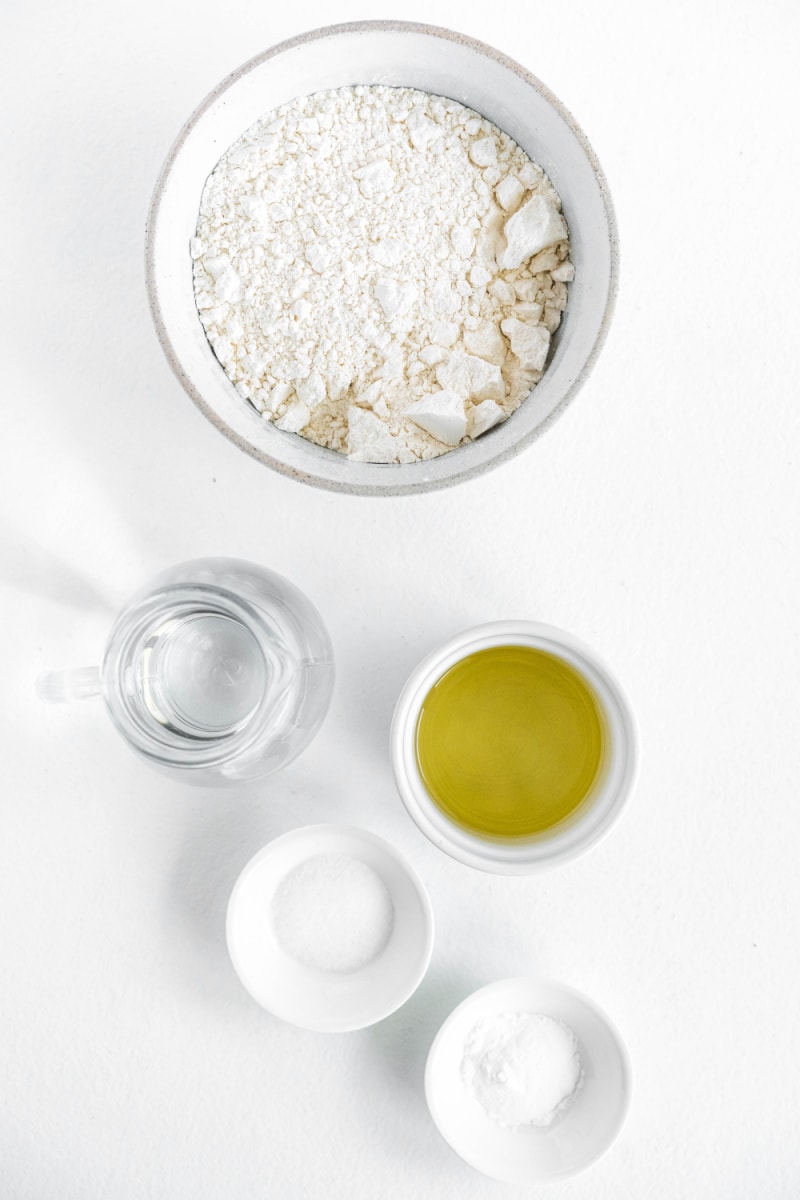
(59, 687)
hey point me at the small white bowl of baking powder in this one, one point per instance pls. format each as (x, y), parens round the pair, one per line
(439, 63)
(528, 1081)
(329, 928)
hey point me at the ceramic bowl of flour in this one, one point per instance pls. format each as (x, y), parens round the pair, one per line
(329, 928)
(471, 1046)
(404, 55)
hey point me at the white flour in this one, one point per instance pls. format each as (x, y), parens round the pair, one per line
(380, 270)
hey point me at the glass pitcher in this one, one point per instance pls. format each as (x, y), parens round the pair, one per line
(218, 669)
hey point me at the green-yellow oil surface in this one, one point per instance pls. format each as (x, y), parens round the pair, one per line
(510, 741)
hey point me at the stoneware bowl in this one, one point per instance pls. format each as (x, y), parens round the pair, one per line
(402, 54)
(531, 1155)
(326, 1001)
(598, 812)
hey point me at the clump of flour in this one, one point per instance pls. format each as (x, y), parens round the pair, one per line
(380, 270)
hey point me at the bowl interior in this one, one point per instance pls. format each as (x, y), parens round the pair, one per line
(311, 998)
(575, 1139)
(569, 838)
(394, 54)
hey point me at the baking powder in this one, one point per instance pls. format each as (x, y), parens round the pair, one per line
(522, 1068)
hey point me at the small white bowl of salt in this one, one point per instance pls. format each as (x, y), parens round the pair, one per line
(329, 928)
(528, 1081)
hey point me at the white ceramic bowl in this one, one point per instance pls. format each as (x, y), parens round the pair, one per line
(321, 1000)
(565, 841)
(409, 55)
(531, 1155)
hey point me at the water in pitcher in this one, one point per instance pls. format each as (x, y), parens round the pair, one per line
(202, 674)
(219, 669)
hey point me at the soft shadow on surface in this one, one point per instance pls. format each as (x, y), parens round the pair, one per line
(128, 427)
(224, 829)
(395, 1052)
(30, 568)
(373, 673)
(403, 1040)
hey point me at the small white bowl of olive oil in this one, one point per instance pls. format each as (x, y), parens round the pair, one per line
(513, 747)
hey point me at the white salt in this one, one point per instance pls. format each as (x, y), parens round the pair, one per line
(522, 1068)
(333, 912)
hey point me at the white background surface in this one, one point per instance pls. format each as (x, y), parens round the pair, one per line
(657, 520)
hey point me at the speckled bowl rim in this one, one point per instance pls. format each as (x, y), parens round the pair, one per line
(390, 488)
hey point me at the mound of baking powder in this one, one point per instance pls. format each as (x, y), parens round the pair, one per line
(523, 1068)
(380, 270)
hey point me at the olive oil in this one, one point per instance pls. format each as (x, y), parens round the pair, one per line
(510, 741)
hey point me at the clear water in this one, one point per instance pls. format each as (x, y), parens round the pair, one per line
(203, 674)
